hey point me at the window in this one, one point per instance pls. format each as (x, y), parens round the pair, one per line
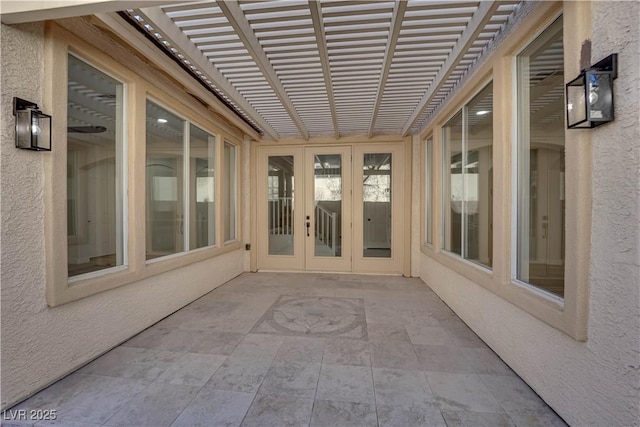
(428, 182)
(540, 235)
(202, 147)
(467, 180)
(165, 187)
(180, 195)
(230, 192)
(95, 170)
(140, 176)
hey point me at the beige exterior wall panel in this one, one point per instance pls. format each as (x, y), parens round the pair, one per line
(592, 382)
(41, 344)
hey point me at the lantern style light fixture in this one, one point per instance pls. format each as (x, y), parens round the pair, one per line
(33, 127)
(590, 95)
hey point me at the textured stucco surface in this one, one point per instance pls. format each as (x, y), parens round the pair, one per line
(41, 344)
(596, 382)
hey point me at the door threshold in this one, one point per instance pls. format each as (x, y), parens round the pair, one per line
(329, 272)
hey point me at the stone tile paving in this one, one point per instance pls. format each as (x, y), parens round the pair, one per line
(287, 349)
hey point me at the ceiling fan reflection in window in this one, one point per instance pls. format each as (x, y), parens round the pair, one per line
(86, 129)
(92, 128)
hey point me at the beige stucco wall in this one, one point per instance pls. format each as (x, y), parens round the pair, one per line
(41, 344)
(596, 382)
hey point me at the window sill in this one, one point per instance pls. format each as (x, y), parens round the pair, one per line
(528, 287)
(183, 259)
(546, 307)
(97, 274)
(470, 270)
(79, 287)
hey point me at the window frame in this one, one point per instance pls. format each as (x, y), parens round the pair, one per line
(428, 193)
(444, 166)
(186, 189)
(235, 191)
(216, 178)
(517, 164)
(60, 288)
(122, 178)
(570, 317)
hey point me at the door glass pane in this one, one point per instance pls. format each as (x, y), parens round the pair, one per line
(230, 191)
(202, 147)
(328, 205)
(452, 182)
(164, 218)
(478, 172)
(280, 184)
(376, 205)
(541, 162)
(95, 169)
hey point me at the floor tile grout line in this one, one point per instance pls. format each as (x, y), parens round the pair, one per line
(198, 392)
(186, 406)
(259, 387)
(435, 398)
(375, 400)
(315, 395)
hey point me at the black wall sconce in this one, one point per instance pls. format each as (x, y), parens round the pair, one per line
(590, 95)
(33, 127)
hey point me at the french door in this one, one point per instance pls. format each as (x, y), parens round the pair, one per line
(334, 208)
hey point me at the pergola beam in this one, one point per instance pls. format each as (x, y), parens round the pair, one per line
(20, 11)
(482, 15)
(316, 16)
(163, 24)
(138, 42)
(240, 24)
(396, 24)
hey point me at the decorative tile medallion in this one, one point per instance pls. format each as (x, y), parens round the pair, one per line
(314, 317)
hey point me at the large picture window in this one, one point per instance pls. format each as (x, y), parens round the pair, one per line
(540, 236)
(147, 187)
(95, 170)
(468, 180)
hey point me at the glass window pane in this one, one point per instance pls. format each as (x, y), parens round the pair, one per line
(281, 207)
(428, 182)
(452, 191)
(328, 205)
(165, 185)
(230, 191)
(202, 148)
(478, 182)
(540, 162)
(376, 200)
(95, 169)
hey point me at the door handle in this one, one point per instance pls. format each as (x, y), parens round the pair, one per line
(308, 226)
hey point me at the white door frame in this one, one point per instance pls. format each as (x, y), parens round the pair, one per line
(352, 259)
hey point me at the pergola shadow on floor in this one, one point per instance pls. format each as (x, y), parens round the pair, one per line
(280, 349)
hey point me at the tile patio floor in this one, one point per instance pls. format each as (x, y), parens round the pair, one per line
(271, 349)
